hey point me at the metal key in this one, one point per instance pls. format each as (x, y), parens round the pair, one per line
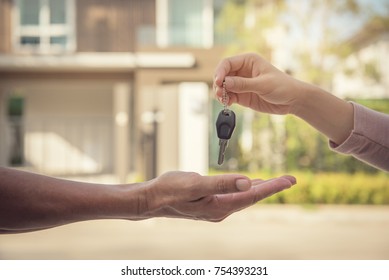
(225, 125)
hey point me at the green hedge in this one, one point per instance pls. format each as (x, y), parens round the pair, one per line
(333, 188)
(336, 188)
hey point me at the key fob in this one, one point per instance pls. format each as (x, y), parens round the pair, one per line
(225, 124)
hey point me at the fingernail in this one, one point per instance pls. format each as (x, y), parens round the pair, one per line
(228, 82)
(291, 179)
(243, 184)
(217, 81)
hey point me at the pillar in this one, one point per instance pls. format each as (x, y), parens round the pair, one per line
(121, 104)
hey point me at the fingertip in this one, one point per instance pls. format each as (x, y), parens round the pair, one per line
(218, 81)
(290, 178)
(272, 186)
(219, 94)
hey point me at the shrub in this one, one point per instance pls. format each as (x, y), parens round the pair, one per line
(332, 188)
(336, 188)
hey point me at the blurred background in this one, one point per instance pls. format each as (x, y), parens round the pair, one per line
(121, 91)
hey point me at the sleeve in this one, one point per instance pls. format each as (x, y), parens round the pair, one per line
(369, 140)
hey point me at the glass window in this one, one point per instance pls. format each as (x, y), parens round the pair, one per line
(44, 26)
(57, 11)
(58, 40)
(29, 40)
(185, 22)
(29, 12)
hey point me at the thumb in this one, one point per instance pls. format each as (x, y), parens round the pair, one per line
(240, 84)
(222, 184)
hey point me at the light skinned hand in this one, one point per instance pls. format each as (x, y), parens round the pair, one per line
(253, 82)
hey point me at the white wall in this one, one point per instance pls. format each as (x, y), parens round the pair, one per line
(68, 125)
(193, 118)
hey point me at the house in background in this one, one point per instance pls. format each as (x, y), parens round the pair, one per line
(106, 87)
(364, 73)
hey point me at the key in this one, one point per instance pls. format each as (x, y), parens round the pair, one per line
(225, 125)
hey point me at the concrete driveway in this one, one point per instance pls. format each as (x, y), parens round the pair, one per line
(260, 232)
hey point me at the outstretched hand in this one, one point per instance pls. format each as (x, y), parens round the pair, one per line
(211, 198)
(30, 202)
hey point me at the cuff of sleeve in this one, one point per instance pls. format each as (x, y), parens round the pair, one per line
(366, 124)
(352, 139)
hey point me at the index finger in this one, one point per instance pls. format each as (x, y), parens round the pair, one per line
(227, 67)
(260, 190)
(230, 66)
(221, 71)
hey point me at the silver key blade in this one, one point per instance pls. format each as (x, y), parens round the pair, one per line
(223, 146)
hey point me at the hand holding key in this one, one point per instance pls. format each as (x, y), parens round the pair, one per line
(255, 83)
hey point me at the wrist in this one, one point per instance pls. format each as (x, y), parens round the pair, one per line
(132, 201)
(303, 92)
(328, 114)
(126, 201)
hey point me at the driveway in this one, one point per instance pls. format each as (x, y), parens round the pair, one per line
(260, 232)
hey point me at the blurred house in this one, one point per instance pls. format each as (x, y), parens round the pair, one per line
(364, 74)
(106, 87)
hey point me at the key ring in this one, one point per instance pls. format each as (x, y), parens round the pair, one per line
(225, 98)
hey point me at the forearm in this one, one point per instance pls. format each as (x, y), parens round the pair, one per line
(330, 115)
(30, 201)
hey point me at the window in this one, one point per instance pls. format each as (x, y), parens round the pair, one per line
(44, 26)
(185, 23)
